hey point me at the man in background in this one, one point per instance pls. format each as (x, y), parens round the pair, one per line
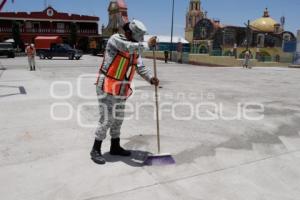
(166, 53)
(247, 60)
(31, 53)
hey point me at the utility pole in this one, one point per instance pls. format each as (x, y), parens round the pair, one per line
(248, 34)
(282, 21)
(2, 3)
(172, 29)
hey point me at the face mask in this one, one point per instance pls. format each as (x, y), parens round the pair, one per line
(139, 37)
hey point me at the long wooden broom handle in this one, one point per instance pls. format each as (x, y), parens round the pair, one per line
(156, 102)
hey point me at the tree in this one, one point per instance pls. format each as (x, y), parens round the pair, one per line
(83, 44)
(16, 34)
(73, 34)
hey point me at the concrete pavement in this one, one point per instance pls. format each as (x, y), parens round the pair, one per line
(228, 158)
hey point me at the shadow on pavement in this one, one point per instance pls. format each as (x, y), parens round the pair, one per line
(21, 90)
(136, 159)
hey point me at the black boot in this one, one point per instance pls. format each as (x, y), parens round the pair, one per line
(96, 154)
(117, 150)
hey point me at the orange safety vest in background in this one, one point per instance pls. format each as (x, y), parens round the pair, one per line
(30, 51)
(119, 74)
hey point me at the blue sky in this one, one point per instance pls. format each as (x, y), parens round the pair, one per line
(156, 14)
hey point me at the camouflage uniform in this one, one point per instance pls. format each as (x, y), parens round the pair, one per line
(109, 119)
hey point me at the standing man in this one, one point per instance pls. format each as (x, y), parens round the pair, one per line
(122, 58)
(31, 53)
(247, 60)
(166, 53)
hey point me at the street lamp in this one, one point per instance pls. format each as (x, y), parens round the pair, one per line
(248, 34)
(172, 29)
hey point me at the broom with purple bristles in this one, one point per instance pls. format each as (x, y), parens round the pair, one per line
(159, 158)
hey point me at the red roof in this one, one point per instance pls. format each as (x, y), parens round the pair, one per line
(46, 16)
(121, 4)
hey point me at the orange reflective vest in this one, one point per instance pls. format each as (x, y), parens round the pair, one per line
(30, 51)
(119, 75)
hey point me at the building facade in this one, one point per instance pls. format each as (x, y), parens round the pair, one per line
(118, 16)
(264, 37)
(193, 16)
(48, 22)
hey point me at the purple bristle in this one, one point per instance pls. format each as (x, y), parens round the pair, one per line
(159, 160)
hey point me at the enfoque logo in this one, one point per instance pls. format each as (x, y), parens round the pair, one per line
(175, 106)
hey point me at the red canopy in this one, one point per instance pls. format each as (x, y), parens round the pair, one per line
(45, 42)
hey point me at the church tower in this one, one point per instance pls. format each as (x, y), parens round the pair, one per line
(118, 16)
(193, 16)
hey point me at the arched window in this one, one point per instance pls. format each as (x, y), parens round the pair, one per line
(190, 21)
(260, 40)
(286, 37)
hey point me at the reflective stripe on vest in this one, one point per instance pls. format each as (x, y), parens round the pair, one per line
(119, 75)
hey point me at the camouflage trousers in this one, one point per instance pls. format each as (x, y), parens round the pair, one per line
(111, 110)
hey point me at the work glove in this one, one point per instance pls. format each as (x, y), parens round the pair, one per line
(154, 81)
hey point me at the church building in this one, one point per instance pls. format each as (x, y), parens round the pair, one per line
(264, 37)
(118, 16)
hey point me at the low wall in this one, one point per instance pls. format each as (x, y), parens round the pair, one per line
(159, 55)
(273, 53)
(205, 59)
(213, 61)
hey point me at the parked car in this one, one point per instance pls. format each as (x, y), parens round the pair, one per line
(7, 49)
(52, 46)
(60, 50)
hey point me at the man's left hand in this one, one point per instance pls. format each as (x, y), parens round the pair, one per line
(154, 81)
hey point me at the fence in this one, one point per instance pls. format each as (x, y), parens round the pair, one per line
(47, 30)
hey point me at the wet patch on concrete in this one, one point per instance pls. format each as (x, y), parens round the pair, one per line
(247, 141)
(289, 130)
(190, 155)
(271, 111)
(241, 142)
(264, 138)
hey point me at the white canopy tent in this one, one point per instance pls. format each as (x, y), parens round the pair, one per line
(165, 39)
(10, 40)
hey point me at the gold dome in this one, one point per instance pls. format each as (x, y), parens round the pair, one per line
(264, 24)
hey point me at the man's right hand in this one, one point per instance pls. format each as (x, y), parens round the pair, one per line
(152, 42)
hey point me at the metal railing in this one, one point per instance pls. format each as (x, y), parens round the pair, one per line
(43, 30)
